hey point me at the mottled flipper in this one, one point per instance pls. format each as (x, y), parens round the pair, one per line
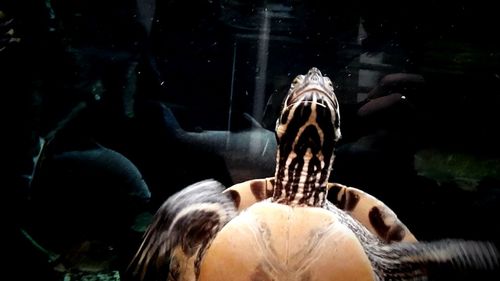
(371, 212)
(448, 259)
(181, 231)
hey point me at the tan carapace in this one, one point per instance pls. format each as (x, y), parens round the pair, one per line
(283, 228)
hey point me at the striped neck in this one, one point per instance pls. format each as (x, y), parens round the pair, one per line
(301, 181)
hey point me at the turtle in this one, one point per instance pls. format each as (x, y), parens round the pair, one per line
(284, 227)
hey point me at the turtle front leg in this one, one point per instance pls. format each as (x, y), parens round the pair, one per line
(182, 230)
(370, 212)
(250, 192)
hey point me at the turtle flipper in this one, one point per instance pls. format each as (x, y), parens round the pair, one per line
(250, 192)
(448, 259)
(371, 212)
(181, 231)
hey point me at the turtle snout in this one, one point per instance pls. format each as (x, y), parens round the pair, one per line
(314, 75)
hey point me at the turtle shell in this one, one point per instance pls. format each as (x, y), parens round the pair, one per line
(372, 213)
(278, 242)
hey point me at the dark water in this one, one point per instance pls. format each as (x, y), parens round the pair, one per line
(108, 84)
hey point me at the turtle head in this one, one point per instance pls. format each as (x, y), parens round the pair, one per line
(310, 113)
(310, 100)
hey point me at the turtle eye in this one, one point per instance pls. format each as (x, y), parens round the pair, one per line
(328, 82)
(296, 81)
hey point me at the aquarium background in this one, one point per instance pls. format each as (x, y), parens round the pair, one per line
(112, 106)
